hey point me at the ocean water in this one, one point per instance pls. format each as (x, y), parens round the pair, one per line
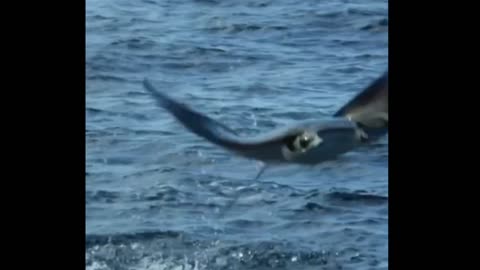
(158, 197)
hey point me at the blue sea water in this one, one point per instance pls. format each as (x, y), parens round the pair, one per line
(157, 195)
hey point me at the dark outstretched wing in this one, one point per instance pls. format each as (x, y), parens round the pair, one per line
(207, 127)
(369, 108)
(372, 98)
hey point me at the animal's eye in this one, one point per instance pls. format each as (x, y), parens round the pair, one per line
(304, 142)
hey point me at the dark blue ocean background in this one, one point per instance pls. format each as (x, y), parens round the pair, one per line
(157, 196)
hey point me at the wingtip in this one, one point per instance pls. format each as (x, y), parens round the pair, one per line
(151, 89)
(147, 85)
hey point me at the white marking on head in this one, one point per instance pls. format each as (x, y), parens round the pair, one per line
(302, 143)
